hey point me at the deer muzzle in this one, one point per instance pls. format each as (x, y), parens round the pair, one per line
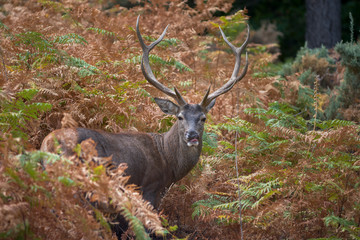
(192, 138)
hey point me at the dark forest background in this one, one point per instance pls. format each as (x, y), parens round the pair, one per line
(290, 19)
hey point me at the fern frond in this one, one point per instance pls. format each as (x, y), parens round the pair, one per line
(135, 225)
(28, 94)
(57, 6)
(84, 69)
(70, 39)
(237, 124)
(2, 25)
(332, 219)
(34, 39)
(227, 206)
(165, 42)
(102, 32)
(154, 59)
(336, 123)
(48, 92)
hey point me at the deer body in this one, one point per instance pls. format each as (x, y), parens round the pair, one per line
(154, 161)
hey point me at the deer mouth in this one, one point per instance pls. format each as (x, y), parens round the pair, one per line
(193, 142)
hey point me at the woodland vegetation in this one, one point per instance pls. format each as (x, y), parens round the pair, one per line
(287, 137)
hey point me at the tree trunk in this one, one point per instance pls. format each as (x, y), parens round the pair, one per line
(323, 23)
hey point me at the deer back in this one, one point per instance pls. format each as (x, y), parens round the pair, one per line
(147, 166)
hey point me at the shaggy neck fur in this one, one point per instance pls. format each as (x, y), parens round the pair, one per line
(179, 157)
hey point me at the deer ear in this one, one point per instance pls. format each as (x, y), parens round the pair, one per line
(210, 106)
(167, 106)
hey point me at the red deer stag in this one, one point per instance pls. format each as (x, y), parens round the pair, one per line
(155, 161)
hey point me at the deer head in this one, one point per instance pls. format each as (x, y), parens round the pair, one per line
(191, 117)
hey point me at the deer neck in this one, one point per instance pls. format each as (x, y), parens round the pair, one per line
(180, 157)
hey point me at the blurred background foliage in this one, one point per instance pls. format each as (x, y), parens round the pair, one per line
(289, 18)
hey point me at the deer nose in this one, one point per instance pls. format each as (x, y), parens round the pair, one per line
(191, 135)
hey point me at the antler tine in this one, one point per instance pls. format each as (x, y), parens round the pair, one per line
(234, 77)
(146, 69)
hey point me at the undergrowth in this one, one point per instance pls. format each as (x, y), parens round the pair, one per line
(72, 63)
(292, 175)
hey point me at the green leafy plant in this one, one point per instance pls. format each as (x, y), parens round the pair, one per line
(349, 88)
(233, 25)
(156, 60)
(266, 178)
(102, 32)
(41, 51)
(18, 112)
(345, 225)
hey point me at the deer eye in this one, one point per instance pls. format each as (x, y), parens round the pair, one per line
(180, 118)
(203, 119)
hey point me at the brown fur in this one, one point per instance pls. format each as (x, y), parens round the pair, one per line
(155, 161)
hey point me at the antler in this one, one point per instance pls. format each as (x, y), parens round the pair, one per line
(146, 69)
(234, 77)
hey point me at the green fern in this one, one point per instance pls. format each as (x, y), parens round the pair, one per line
(187, 83)
(46, 157)
(232, 26)
(280, 115)
(143, 92)
(262, 139)
(84, 69)
(135, 225)
(232, 206)
(252, 197)
(42, 51)
(210, 142)
(2, 25)
(306, 101)
(237, 124)
(16, 113)
(204, 207)
(285, 115)
(102, 32)
(341, 161)
(154, 59)
(57, 6)
(333, 124)
(165, 42)
(102, 220)
(28, 94)
(70, 39)
(135, 59)
(345, 225)
(260, 191)
(35, 40)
